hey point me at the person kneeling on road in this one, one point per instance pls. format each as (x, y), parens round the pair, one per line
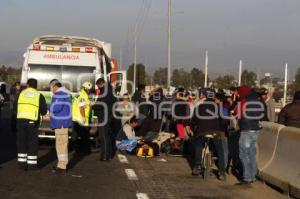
(126, 139)
(61, 121)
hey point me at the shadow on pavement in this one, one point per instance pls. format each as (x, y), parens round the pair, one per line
(190, 161)
(46, 159)
(77, 157)
(8, 156)
(8, 147)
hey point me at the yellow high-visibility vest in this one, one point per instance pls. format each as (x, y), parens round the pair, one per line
(28, 104)
(76, 104)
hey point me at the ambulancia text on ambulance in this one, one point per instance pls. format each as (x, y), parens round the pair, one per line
(72, 60)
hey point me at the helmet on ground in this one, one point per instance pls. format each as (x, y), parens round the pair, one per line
(87, 85)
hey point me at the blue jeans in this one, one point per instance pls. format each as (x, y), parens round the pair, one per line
(247, 144)
(127, 145)
(221, 147)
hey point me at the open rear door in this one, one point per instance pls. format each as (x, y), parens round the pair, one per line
(119, 81)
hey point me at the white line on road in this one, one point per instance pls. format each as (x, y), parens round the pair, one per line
(131, 174)
(142, 196)
(123, 159)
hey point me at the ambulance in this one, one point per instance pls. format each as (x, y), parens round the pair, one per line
(72, 60)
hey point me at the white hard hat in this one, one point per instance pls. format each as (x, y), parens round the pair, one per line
(87, 85)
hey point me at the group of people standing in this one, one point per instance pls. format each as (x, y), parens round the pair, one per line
(236, 126)
(233, 119)
(64, 112)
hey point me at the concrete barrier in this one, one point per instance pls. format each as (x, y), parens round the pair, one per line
(295, 187)
(284, 169)
(266, 144)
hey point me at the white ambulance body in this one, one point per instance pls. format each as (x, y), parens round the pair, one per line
(70, 59)
(73, 61)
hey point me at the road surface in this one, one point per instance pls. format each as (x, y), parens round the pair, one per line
(124, 177)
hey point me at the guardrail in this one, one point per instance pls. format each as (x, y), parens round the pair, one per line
(279, 157)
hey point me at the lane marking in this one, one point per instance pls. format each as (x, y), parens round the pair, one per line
(123, 159)
(77, 176)
(142, 196)
(131, 174)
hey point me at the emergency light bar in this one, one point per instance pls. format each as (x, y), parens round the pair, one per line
(49, 48)
(88, 49)
(63, 49)
(75, 49)
(36, 47)
(39, 47)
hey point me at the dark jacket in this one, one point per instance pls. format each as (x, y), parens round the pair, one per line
(203, 121)
(290, 114)
(106, 97)
(149, 124)
(156, 99)
(250, 120)
(181, 109)
(265, 118)
(138, 98)
(60, 110)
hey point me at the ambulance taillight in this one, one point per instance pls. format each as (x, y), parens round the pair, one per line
(88, 49)
(36, 47)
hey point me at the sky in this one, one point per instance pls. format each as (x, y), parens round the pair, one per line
(263, 33)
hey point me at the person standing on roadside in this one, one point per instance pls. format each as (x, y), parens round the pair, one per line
(1, 104)
(61, 121)
(81, 109)
(269, 105)
(103, 110)
(207, 120)
(250, 111)
(2, 97)
(14, 92)
(139, 98)
(290, 114)
(30, 106)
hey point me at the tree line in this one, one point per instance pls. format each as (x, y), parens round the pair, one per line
(10, 74)
(191, 79)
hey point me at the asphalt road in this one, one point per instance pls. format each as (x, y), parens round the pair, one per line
(124, 177)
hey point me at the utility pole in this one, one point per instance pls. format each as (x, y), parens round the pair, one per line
(240, 72)
(169, 44)
(135, 52)
(206, 70)
(258, 77)
(120, 59)
(285, 84)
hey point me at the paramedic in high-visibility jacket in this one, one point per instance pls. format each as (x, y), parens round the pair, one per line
(81, 110)
(31, 105)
